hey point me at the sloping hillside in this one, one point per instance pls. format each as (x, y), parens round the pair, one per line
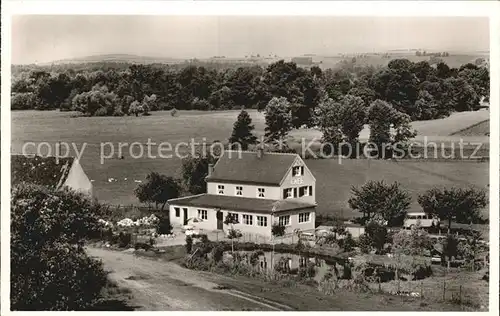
(479, 129)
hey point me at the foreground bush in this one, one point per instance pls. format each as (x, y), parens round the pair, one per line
(57, 276)
(49, 267)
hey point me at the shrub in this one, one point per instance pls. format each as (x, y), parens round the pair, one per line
(163, 225)
(61, 277)
(189, 244)
(347, 273)
(142, 245)
(23, 101)
(217, 253)
(282, 266)
(364, 243)
(101, 112)
(50, 269)
(348, 243)
(174, 112)
(254, 257)
(124, 239)
(118, 111)
(308, 271)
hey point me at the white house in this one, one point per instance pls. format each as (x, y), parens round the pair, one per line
(258, 189)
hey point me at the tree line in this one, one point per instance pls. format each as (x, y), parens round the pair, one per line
(420, 90)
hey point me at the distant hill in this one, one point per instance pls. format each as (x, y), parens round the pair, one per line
(373, 59)
(117, 58)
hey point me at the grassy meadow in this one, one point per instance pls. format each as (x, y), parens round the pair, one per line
(334, 180)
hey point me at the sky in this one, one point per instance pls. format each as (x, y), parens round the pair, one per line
(38, 39)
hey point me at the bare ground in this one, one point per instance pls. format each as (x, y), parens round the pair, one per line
(163, 285)
(167, 286)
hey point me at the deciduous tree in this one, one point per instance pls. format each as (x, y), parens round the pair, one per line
(463, 205)
(158, 189)
(278, 119)
(379, 201)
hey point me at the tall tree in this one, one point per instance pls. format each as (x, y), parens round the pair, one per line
(158, 189)
(381, 118)
(379, 201)
(242, 131)
(330, 124)
(195, 170)
(353, 117)
(278, 119)
(461, 204)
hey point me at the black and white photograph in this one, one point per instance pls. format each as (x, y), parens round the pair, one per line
(224, 162)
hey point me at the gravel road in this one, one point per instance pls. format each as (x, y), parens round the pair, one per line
(167, 286)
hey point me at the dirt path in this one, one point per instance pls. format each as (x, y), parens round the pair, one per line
(167, 286)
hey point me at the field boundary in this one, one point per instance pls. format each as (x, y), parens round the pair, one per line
(468, 127)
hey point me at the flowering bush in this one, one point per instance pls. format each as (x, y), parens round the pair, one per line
(49, 267)
(147, 221)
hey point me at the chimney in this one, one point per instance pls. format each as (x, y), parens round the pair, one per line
(210, 169)
(260, 152)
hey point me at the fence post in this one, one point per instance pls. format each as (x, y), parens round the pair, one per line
(421, 290)
(444, 288)
(460, 294)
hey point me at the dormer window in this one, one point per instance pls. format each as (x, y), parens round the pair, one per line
(239, 190)
(220, 189)
(298, 171)
(288, 193)
(261, 192)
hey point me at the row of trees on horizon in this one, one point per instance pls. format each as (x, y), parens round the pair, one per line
(417, 89)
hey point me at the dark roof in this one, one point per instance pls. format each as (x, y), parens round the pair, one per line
(239, 203)
(247, 167)
(46, 171)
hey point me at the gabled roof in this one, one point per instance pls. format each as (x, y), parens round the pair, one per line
(247, 167)
(46, 171)
(233, 203)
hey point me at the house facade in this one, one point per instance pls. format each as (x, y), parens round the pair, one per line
(258, 189)
(52, 172)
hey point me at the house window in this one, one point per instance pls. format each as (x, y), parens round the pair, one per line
(177, 212)
(203, 214)
(261, 192)
(284, 220)
(239, 190)
(298, 171)
(220, 189)
(288, 193)
(261, 221)
(304, 217)
(247, 219)
(234, 216)
(305, 191)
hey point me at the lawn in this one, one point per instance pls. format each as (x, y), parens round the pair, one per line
(334, 180)
(478, 129)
